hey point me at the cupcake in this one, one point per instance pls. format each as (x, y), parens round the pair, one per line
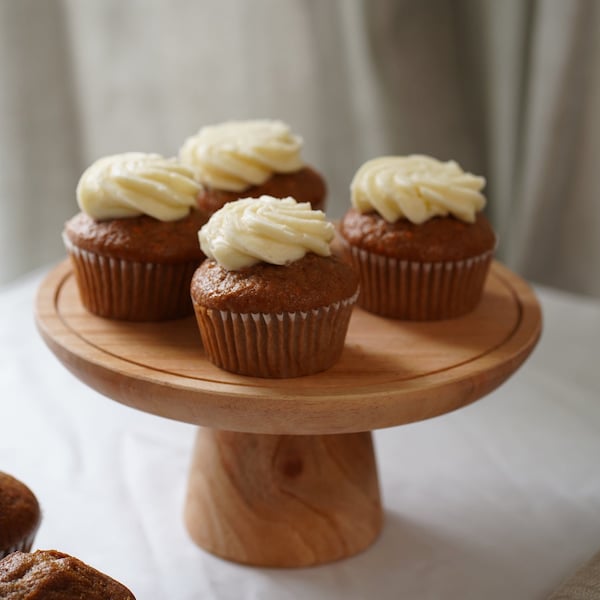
(20, 516)
(417, 237)
(270, 299)
(52, 575)
(251, 159)
(134, 245)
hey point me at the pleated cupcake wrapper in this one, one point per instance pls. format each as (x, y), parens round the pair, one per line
(23, 546)
(130, 290)
(273, 345)
(419, 291)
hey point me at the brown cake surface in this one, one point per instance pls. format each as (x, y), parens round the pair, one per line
(52, 575)
(438, 239)
(20, 515)
(305, 185)
(140, 239)
(311, 282)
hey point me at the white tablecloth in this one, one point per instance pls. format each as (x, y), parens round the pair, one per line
(497, 500)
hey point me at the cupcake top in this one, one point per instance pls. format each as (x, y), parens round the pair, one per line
(236, 155)
(135, 184)
(309, 283)
(51, 574)
(266, 229)
(19, 512)
(416, 188)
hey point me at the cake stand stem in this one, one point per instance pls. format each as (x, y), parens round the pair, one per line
(283, 500)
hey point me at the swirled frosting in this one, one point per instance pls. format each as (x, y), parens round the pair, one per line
(236, 155)
(417, 188)
(133, 184)
(265, 229)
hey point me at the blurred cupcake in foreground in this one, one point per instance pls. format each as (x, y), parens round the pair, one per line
(134, 246)
(52, 575)
(250, 159)
(20, 516)
(417, 237)
(271, 300)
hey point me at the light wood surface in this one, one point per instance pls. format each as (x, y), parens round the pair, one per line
(283, 500)
(390, 373)
(270, 496)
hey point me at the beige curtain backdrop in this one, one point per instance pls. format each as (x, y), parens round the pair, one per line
(510, 89)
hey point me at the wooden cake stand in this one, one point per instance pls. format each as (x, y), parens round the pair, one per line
(283, 473)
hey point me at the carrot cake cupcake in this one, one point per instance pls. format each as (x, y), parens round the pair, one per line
(134, 245)
(52, 575)
(271, 300)
(250, 159)
(417, 237)
(20, 515)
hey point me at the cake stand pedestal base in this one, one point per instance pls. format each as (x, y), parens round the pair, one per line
(283, 500)
(299, 486)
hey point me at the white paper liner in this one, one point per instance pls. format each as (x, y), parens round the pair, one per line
(275, 345)
(419, 291)
(130, 290)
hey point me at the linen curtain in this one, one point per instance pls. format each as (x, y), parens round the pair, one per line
(509, 89)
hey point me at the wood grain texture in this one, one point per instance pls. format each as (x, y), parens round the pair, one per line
(390, 372)
(270, 496)
(283, 501)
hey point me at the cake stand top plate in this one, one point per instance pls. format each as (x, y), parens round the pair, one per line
(390, 372)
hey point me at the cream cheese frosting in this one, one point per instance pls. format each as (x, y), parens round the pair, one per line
(236, 155)
(416, 187)
(135, 183)
(265, 229)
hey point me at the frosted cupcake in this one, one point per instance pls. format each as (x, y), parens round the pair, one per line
(250, 159)
(271, 300)
(134, 245)
(417, 237)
